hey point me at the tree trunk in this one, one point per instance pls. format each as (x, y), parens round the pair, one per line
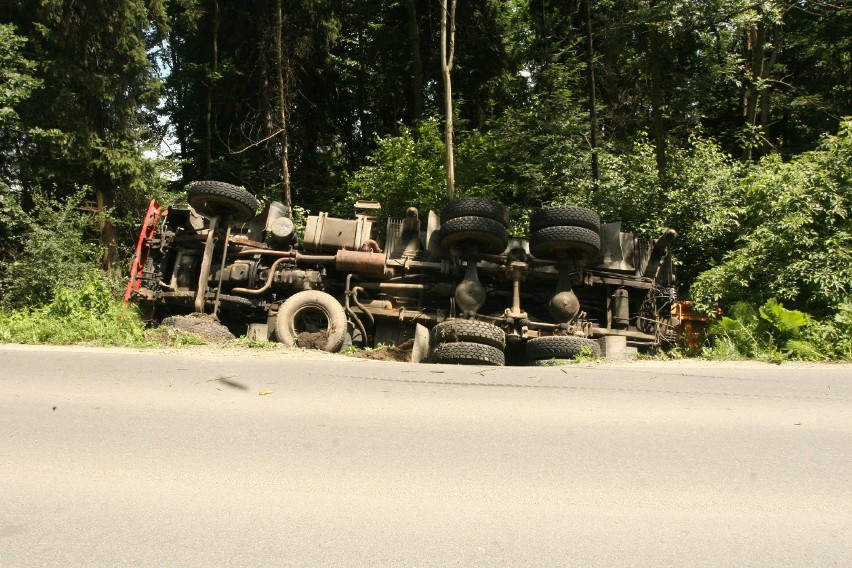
(593, 113)
(179, 116)
(765, 93)
(756, 42)
(208, 148)
(657, 101)
(282, 106)
(416, 61)
(448, 45)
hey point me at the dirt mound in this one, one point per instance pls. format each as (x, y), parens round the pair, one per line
(401, 352)
(202, 325)
(312, 340)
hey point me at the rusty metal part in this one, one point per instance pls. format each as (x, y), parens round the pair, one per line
(350, 293)
(517, 271)
(620, 309)
(222, 265)
(470, 293)
(371, 246)
(206, 261)
(691, 323)
(564, 306)
(266, 286)
(361, 306)
(368, 263)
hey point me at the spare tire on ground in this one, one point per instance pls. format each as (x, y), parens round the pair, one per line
(311, 319)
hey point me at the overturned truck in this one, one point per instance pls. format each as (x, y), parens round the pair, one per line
(456, 282)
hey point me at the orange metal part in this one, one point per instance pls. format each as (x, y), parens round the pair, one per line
(692, 323)
(143, 245)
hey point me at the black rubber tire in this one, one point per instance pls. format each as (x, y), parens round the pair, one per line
(489, 234)
(466, 353)
(213, 198)
(569, 215)
(475, 207)
(311, 311)
(550, 242)
(471, 331)
(560, 347)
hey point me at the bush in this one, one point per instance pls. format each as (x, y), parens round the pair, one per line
(51, 253)
(89, 314)
(795, 240)
(769, 333)
(698, 196)
(405, 170)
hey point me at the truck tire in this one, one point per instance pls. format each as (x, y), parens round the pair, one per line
(214, 198)
(466, 353)
(471, 331)
(568, 215)
(314, 318)
(560, 347)
(475, 207)
(489, 234)
(550, 242)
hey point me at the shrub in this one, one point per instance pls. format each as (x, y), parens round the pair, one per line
(89, 314)
(52, 252)
(795, 241)
(769, 333)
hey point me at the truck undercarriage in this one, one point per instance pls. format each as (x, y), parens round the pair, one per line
(457, 284)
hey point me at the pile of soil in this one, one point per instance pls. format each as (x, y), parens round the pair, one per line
(401, 352)
(312, 340)
(205, 326)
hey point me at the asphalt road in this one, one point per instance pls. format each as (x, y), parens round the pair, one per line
(124, 458)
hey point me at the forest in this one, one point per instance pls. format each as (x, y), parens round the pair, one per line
(729, 121)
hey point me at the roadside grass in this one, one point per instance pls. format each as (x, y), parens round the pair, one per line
(90, 315)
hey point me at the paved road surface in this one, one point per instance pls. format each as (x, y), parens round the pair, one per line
(121, 458)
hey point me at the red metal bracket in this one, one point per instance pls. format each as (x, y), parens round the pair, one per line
(143, 245)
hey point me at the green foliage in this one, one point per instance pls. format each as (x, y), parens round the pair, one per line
(93, 119)
(795, 239)
(89, 313)
(54, 251)
(699, 196)
(16, 79)
(833, 336)
(405, 170)
(769, 333)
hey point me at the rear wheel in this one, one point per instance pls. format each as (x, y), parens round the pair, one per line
(473, 331)
(466, 353)
(561, 347)
(215, 198)
(567, 215)
(475, 207)
(552, 242)
(488, 234)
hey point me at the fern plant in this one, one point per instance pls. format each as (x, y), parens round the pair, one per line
(769, 333)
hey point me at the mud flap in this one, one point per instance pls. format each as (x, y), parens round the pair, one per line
(420, 350)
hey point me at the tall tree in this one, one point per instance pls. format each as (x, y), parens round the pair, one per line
(98, 101)
(448, 48)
